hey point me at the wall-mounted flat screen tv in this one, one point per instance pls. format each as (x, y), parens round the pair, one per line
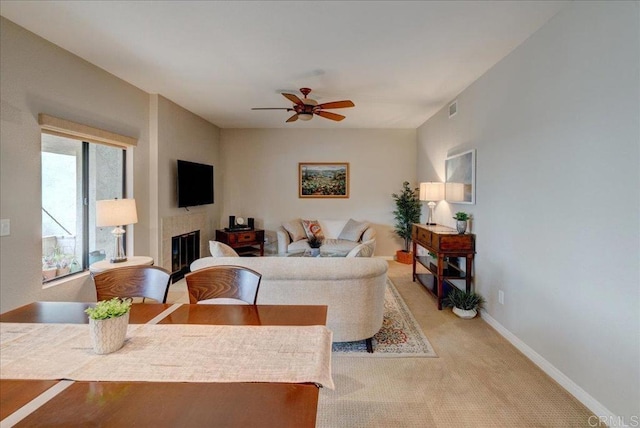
(195, 184)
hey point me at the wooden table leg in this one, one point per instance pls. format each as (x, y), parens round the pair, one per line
(415, 254)
(467, 275)
(440, 279)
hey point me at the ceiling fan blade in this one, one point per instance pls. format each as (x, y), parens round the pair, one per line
(293, 98)
(293, 118)
(329, 115)
(337, 104)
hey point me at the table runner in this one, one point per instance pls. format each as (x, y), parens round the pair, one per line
(170, 353)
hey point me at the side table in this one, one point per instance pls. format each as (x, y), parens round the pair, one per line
(245, 242)
(104, 265)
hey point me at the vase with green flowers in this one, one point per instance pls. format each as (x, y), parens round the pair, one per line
(315, 243)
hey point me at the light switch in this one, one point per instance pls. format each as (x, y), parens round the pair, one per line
(5, 227)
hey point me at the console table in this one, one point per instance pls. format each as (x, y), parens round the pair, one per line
(245, 242)
(443, 242)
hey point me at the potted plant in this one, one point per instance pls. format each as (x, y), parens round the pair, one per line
(461, 221)
(63, 266)
(108, 322)
(315, 243)
(48, 268)
(407, 213)
(464, 304)
(61, 261)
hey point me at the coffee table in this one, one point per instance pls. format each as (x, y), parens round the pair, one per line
(307, 253)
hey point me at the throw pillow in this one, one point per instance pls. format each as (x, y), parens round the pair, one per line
(295, 230)
(362, 250)
(219, 249)
(353, 230)
(312, 229)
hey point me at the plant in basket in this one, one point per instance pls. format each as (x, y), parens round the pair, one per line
(108, 322)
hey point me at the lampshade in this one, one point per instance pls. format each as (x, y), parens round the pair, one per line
(305, 116)
(116, 212)
(455, 192)
(431, 191)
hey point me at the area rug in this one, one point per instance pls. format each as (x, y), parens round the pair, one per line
(400, 335)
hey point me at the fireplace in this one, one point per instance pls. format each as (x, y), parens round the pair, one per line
(184, 250)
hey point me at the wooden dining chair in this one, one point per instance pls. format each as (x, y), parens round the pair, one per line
(150, 282)
(220, 284)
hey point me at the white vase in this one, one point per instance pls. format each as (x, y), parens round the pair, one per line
(461, 226)
(108, 335)
(465, 314)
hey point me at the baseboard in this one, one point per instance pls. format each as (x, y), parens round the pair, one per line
(574, 389)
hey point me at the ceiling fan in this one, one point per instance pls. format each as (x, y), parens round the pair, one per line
(305, 108)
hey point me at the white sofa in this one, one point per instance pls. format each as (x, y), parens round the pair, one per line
(290, 242)
(353, 289)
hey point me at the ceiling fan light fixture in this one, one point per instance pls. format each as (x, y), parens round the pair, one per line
(305, 108)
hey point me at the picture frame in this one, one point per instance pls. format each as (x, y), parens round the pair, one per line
(460, 178)
(323, 180)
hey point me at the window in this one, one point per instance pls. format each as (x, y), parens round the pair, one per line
(75, 174)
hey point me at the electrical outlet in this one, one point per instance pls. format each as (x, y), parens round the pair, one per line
(501, 297)
(5, 227)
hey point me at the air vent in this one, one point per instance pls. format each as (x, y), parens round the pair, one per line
(453, 108)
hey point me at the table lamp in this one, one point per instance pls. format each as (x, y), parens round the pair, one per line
(118, 213)
(431, 192)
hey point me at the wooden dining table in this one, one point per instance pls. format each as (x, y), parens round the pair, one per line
(32, 403)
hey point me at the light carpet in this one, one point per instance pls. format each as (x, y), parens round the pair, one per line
(400, 335)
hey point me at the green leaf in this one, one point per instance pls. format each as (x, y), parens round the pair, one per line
(407, 212)
(113, 308)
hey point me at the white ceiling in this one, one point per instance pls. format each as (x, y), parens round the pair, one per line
(399, 62)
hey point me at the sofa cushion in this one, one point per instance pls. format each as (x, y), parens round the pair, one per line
(363, 250)
(219, 249)
(295, 229)
(312, 229)
(332, 228)
(294, 247)
(337, 246)
(353, 230)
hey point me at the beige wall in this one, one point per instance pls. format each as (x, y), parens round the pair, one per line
(38, 77)
(556, 128)
(261, 172)
(183, 135)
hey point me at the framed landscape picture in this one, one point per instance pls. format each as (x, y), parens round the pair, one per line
(323, 180)
(460, 178)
